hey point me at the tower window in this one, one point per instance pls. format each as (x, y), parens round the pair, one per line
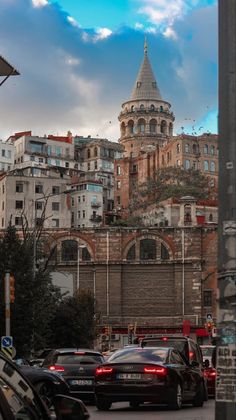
(138, 84)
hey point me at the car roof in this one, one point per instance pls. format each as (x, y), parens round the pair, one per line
(72, 350)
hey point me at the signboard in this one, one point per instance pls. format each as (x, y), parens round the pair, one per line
(226, 374)
(7, 346)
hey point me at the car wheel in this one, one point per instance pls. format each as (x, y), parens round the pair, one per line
(200, 396)
(176, 398)
(46, 392)
(134, 404)
(103, 404)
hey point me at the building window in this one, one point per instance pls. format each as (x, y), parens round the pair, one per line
(153, 126)
(3, 205)
(38, 205)
(39, 189)
(88, 154)
(55, 190)
(55, 223)
(69, 250)
(131, 253)
(210, 217)
(207, 298)
(95, 165)
(83, 214)
(83, 198)
(55, 206)
(79, 199)
(187, 164)
(95, 151)
(58, 162)
(186, 148)
(213, 166)
(58, 151)
(118, 170)
(147, 249)
(118, 199)
(138, 84)
(18, 221)
(212, 150)
(178, 162)
(206, 149)
(19, 204)
(88, 166)
(79, 214)
(67, 165)
(19, 187)
(85, 255)
(118, 185)
(2, 221)
(164, 253)
(72, 202)
(206, 165)
(3, 153)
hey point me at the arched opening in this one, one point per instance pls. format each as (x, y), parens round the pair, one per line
(141, 106)
(131, 253)
(164, 253)
(147, 249)
(88, 154)
(153, 126)
(206, 149)
(131, 127)
(210, 217)
(69, 250)
(187, 148)
(152, 107)
(85, 255)
(213, 166)
(141, 125)
(122, 129)
(95, 151)
(187, 213)
(132, 108)
(163, 127)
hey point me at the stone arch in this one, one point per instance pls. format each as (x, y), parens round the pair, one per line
(86, 253)
(163, 127)
(131, 126)
(163, 249)
(141, 125)
(152, 107)
(153, 125)
(122, 129)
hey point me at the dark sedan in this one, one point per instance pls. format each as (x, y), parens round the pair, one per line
(77, 367)
(157, 375)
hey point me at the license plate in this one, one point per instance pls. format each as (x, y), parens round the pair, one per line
(129, 376)
(81, 382)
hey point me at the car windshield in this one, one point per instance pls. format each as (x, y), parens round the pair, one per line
(207, 351)
(140, 355)
(180, 345)
(79, 358)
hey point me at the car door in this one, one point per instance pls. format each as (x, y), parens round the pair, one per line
(184, 372)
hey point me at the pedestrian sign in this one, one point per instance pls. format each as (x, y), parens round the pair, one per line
(7, 345)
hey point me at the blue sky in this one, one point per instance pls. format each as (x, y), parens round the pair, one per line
(79, 59)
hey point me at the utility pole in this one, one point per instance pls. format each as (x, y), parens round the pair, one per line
(7, 304)
(226, 310)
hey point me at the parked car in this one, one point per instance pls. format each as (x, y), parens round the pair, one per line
(210, 371)
(77, 367)
(20, 400)
(39, 357)
(149, 374)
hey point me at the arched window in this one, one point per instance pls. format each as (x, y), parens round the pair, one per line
(187, 213)
(163, 127)
(187, 163)
(95, 151)
(122, 129)
(212, 166)
(131, 253)
(164, 253)
(131, 126)
(153, 126)
(194, 148)
(206, 165)
(88, 153)
(132, 108)
(212, 150)
(206, 149)
(161, 108)
(147, 249)
(178, 148)
(69, 250)
(152, 107)
(186, 148)
(170, 129)
(141, 126)
(85, 254)
(141, 106)
(210, 218)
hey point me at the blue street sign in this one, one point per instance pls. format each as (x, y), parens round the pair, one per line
(6, 342)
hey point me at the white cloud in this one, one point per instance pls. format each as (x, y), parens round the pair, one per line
(102, 33)
(138, 25)
(39, 3)
(73, 21)
(170, 33)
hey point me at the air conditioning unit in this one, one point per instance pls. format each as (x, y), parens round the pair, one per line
(115, 337)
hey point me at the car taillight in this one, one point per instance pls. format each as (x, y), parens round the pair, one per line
(156, 370)
(191, 354)
(164, 338)
(103, 370)
(209, 373)
(56, 368)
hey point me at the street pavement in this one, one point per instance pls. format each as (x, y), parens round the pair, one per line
(151, 412)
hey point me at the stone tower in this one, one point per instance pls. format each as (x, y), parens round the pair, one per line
(145, 119)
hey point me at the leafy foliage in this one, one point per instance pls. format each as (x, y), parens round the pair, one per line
(130, 221)
(176, 182)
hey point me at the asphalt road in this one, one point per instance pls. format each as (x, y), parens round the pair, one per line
(151, 412)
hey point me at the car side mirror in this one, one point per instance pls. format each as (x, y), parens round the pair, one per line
(70, 408)
(206, 363)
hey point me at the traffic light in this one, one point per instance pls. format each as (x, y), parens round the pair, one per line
(12, 289)
(107, 330)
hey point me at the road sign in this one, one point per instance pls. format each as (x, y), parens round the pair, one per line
(209, 317)
(7, 345)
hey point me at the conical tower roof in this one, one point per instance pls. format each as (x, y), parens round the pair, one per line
(146, 86)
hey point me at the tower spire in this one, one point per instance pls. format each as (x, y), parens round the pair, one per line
(145, 46)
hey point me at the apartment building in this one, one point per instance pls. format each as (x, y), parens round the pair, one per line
(86, 204)
(6, 156)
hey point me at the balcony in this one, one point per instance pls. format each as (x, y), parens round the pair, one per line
(95, 204)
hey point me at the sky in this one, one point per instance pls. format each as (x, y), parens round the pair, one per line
(79, 59)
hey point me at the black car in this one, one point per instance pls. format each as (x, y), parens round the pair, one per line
(77, 367)
(19, 399)
(154, 374)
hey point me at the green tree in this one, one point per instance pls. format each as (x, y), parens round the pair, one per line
(176, 182)
(74, 323)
